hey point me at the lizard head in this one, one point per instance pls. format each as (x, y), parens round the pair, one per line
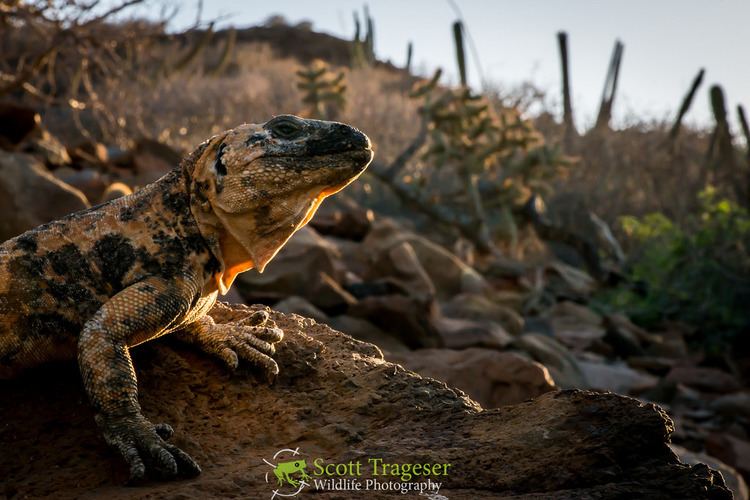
(255, 185)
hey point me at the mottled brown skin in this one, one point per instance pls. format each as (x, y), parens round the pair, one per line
(100, 281)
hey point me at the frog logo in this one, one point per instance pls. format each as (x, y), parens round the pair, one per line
(289, 475)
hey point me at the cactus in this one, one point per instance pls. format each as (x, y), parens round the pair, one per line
(226, 54)
(324, 91)
(458, 38)
(369, 37)
(194, 51)
(409, 53)
(686, 103)
(483, 147)
(363, 48)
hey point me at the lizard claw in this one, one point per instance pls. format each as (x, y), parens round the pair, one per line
(143, 447)
(251, 344)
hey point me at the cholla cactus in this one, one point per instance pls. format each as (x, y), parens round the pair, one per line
(499, 157)
(324, 91)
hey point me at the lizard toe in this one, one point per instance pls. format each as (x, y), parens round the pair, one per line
(137, 468)
(165, 431)
(186, 465)
(272, 334)
(258, 318)
(163, 461)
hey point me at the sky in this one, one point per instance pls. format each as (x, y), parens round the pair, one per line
(666, 43)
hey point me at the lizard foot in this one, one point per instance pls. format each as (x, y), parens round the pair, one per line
(144, 448)
(251, 340)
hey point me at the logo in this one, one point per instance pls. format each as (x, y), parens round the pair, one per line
(289, 475)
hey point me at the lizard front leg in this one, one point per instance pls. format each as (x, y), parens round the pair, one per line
(132, 316)
(251, 340)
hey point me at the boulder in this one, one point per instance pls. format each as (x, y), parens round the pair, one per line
(480, 307)
(89, 181)
(732, 405)
(30, 195)
(447, 272)
(732, 478)
(114, 191)
(298, 305)
(298, 269)
(342, 217)
(616, 377)
(490, 377)
(703, 378)
(365, 331)
(731, 450)
(338, 400)
(151, 160)
(410, 320)
(463, 333)
(576, 326)
(561, 364)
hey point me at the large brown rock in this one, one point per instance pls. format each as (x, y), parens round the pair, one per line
(300, 268)
(30, 195)
(447, 272)
(492, 378)
(336, 398)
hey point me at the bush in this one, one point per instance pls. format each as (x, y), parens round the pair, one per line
(697, 272)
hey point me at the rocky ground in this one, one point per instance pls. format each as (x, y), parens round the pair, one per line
(502, 331)
(338, 398)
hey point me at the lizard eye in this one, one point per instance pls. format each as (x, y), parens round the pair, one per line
(286, 129)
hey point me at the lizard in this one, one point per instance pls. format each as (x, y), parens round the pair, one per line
(96, 283)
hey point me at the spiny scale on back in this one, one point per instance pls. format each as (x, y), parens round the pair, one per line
(97, 282)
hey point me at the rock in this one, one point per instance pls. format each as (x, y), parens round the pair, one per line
(21, 130)
(623, 340)
(88, 181)
(298, 269)
(731, 450)
(47, 147)
(449, 275)
(400, 265)
(410, 320)
(92, 153)
(479, 307)
(336, 399)
(114, 191)
(668, 345)
(342, 217)
(30, 195)
(702, 378)
(299, 305)
(568, 281)
(561, 364)
(732, 478)
(17, 123)
(732, 405)
(576, 326)
(616, 377)
(655, 365)
(367, 332)
(463, 333)
(492, 378)
(151, 160)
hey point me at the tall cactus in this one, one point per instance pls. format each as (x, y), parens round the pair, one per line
(226, 54)
(458, 39)
(324, 91)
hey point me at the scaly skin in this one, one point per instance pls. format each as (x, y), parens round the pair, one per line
(98, 282)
